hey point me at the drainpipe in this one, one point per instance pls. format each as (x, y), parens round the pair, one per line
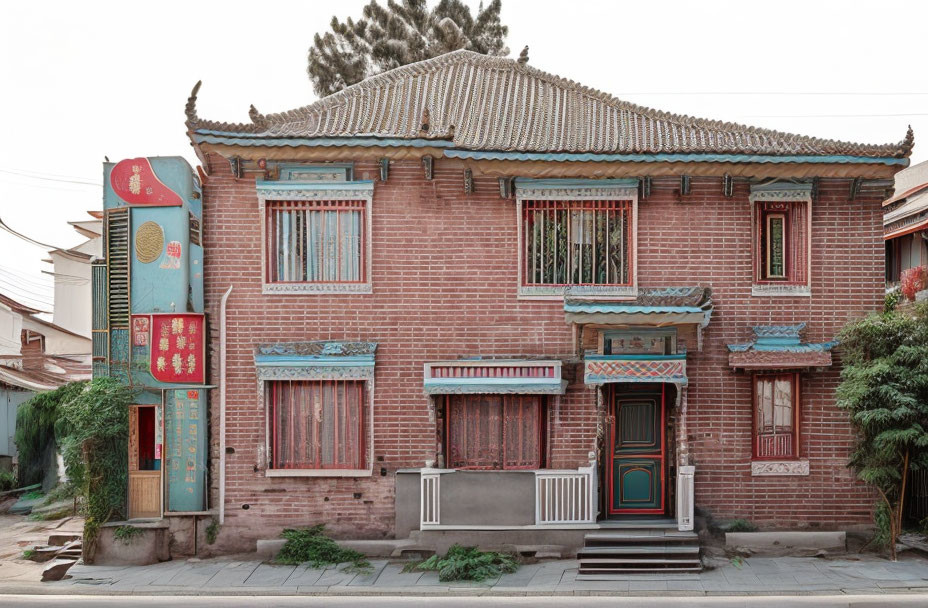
(222, 405)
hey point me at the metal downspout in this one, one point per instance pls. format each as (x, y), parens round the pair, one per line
(222, 405)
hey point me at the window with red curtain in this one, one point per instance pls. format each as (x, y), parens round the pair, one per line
(776, 416)
(316, 424)
(494, 431)
(782, 237)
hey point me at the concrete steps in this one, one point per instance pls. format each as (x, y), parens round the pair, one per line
(620, 548)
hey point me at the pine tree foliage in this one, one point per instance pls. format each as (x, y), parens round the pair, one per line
(401, 33)
(885, 389)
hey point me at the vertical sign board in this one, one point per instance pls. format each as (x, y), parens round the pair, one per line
(185, 427)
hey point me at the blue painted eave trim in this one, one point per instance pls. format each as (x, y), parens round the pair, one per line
(551, 386)
(326, 360)
(601, 307)
(284, 186)
(672, 158)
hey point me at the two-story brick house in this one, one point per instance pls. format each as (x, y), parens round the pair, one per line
(470, 297)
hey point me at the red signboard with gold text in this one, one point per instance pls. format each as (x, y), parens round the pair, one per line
(135, 182)
(177, 348)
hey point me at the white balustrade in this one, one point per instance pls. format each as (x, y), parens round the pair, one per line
(565, 497)
(429, 499)
(686, 497)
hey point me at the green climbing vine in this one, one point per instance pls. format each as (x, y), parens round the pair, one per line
(36, 434)
(94, 433)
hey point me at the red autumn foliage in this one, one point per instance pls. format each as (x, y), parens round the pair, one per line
(914, 280)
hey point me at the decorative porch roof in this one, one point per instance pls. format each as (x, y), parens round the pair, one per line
(601, 369)
(494, 376)
(779, 347)
(481, 103)
(315, 361)
(661, 306)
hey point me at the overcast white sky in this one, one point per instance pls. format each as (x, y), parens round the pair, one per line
(81, 80)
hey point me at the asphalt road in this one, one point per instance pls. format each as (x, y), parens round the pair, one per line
(819, 601)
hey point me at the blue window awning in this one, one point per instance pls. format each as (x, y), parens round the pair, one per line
(494, 376)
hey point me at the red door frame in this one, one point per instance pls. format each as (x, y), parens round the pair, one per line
(610, 463)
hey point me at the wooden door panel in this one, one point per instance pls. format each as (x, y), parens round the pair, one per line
(638, 443)
(144, 494)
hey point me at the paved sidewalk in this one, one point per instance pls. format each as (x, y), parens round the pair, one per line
(753, 576)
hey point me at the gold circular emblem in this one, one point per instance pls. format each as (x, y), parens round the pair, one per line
(149, 242)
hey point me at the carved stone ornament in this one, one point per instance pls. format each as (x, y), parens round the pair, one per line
(770, 468)
(804, 195)
(314, 194)
(316, 372)
(781, 290)
(291, 288)
(327, 349)
(577, 194)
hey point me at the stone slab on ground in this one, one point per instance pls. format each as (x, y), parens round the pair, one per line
(24, 506)
(56, 569)
(787, 542)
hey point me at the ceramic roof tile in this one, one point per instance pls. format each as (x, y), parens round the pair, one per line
(494, 103)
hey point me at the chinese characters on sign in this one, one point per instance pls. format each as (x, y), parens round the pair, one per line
(187, 450)
(135, 182)
(177, 348)
(140, 330)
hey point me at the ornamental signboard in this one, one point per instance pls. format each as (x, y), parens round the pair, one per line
(185, 426)
(135, 182)
(177, 348)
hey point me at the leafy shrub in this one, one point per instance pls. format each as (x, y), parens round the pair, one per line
(212, 531)
(36, 421)
(891, 300)
(467, 564)
(33, 494)
(311, 546)
(740, 525)
(913, 280)
(7, 481)
(94, 426)
(126, 534)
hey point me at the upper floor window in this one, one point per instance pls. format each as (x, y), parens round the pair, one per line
(782, 241)
(577, 242)
(317, 236)
(776, 416)
(316, 241)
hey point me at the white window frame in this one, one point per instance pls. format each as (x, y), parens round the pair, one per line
(323, 191)
(577, 190)
(785, 193)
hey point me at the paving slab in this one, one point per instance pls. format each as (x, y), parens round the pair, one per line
(268, 575)
(335, 576)
(393, 576)
(234, 574)
(366, 579)
(194, 575)
(304, 575)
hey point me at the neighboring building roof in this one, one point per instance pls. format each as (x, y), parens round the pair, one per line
(779, 347)
(20, 308)
(487, 103)
(907, 210)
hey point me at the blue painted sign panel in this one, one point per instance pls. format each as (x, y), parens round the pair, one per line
(185, 437)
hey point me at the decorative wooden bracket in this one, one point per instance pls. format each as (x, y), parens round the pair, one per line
(384, 169)
(235, 163)
(855, 189)
(684, 185)
(505, 187)
(644, 185)
(728, 186)
(428, 163)
(468, 181)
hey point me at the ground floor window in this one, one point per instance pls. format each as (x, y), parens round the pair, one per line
(316, 424)
(776, 415)
(495, 431)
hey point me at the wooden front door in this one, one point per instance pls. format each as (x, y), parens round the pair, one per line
(144, 462)
(638, 453)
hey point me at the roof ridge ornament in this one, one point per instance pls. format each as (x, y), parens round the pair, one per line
(191, 109)
(257, 117)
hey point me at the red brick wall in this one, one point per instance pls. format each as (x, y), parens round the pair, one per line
(445, 276)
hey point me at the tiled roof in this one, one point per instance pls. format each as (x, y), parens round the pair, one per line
(480, 102)
(779, 347)
(907, 210)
